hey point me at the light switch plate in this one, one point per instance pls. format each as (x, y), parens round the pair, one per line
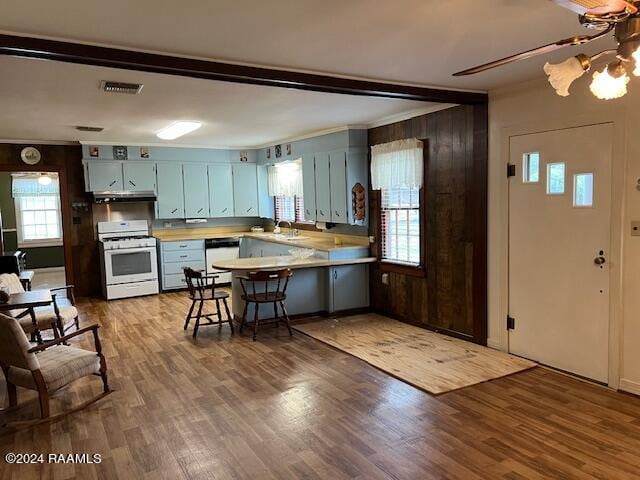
(635, 229)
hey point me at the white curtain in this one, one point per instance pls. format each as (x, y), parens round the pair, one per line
(27, 185)
(397, 164)
(285, 179)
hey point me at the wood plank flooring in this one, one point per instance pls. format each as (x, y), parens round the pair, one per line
(430, 361)
(281, 408)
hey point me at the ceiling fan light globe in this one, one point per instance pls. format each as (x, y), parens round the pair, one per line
(607, 87)
(562, 75)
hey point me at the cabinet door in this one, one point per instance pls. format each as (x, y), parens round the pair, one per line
(220, 190)
(105, 176)
(338, 183)
(170, 190)
(245, 191)
(139, 176)
(309, 186)
(323, 188)
(349, 287)
(196, 190)
(266, 207)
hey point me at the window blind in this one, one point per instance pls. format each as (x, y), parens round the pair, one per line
(400, 225)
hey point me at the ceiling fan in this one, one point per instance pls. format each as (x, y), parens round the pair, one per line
(622, 17)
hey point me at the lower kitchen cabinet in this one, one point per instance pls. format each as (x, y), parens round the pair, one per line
(348, 287)
(174, 256)
(170, 195)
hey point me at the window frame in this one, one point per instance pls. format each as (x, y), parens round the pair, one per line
(389, 266)
(296, 222)
(34, 243)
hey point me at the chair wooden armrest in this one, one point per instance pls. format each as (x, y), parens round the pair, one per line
(57, 341)
(70, 292)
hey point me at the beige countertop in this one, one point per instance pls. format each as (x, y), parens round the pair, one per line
(318, 241)
(288, 261)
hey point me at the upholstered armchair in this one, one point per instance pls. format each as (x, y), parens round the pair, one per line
(59, 317)
(47, 367)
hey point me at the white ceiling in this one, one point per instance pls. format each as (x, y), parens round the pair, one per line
(413, 41)
(44, 100)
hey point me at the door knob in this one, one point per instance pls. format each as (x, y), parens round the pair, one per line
(599, 260)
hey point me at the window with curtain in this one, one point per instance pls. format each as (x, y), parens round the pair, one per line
(290, 209)
(285, 185)
(37, 204)
(397, 170)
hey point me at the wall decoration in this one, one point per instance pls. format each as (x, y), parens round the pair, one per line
(268, 152)
(94, 152)
(244, 156)
(278, 151)
(358, 202)
(30, 155)
(144, 152)
(120, 153)
(288, 149)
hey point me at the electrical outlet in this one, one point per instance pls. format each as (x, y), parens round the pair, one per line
(372, 239)
(635, 229)
(385, 279)
(167, 225)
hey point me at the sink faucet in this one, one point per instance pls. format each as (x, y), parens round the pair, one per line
(290, 234)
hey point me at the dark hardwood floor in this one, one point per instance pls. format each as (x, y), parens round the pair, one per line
(281, 408)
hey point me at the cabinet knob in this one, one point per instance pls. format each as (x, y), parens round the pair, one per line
(337, 214)
(224, 209)
(113, 183)
(321, 212)
(249, 209)
(132, 183)
(199, 211)
(174, 210)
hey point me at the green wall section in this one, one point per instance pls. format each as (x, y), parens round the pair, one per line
(40, 257)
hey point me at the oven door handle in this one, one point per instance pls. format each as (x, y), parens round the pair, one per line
(130, 250)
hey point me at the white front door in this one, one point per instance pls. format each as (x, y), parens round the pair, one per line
(559, 236)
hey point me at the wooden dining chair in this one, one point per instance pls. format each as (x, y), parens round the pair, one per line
(265, 287)
(48, 367)
(202, 289)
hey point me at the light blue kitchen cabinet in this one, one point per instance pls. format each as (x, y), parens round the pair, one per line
(338, 183)
(196, 190)
(220, 190)
(104, 176)
(348, 287)
(245, 190)
(139, 176)
(323, 187)
(309, 186)
(266, 207)
(174, 256)
(170, 194)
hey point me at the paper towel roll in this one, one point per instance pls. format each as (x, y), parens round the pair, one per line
(321, 225)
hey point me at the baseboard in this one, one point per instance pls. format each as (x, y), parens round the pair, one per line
(630, 386)
(495, 344)
(48, 269)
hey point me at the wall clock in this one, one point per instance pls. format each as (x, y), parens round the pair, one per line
(30, 155)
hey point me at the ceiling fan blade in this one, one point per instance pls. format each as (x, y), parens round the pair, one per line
(567, 42)
(597, 7)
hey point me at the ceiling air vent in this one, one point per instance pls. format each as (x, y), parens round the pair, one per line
(120, 87)
(84, 128)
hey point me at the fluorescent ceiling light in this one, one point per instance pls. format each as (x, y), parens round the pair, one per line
(178, 129)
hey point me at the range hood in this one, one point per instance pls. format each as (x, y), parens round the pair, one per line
(114, 197)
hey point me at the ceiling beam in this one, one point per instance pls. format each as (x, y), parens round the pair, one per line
(83, 54)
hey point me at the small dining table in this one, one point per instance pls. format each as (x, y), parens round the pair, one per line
(28, 301)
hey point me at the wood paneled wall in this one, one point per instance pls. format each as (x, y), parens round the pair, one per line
(81, 252)
(452, 297)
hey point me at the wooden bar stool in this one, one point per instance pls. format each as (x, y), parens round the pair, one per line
(199, 293)
(274, 291)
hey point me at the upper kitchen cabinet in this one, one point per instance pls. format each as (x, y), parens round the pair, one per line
(103, 175)
(170, 194)
(245, 190)
(323, 188)
(266, 207)
(139, 176)
(309, 186)
(196, 190)
(221, 190)
(338, 182)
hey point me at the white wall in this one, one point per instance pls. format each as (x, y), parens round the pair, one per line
(533, 107)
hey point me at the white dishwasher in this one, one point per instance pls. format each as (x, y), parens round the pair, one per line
(221, 249)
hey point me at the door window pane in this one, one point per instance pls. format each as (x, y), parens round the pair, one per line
(531, 167)
(555, 178)
(583, 190)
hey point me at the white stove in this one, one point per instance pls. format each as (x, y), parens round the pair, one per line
(129, 262)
